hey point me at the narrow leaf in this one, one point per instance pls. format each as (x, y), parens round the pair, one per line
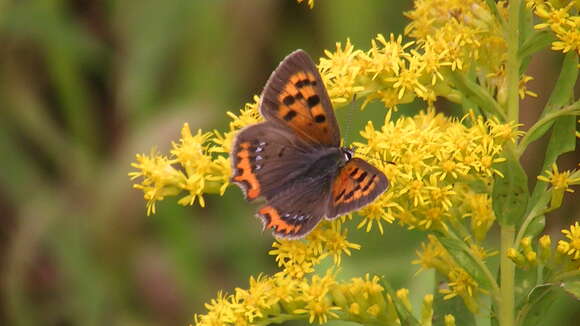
(573, 288)
(406, 317)
(563, 140)
(510, 192)
(456, 249)
(561, 94)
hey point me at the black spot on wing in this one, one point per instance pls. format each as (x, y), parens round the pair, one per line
(290, 115)
(288, 100)
(313, 100)
(302, 83)
(340, 195)
(320, 118)
(349, 195)
(371, 180)
(362, 177)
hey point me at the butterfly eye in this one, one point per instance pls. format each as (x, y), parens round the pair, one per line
(347, 154)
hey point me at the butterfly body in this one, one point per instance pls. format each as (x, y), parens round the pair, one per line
(294, 160)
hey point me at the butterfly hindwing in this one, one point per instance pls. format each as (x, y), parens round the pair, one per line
(297, 208)
(295, 97)
(357, 184)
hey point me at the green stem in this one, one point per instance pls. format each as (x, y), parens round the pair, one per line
(538, 210)
(507, 268)
(507, 276)
(513, 62)
(478, 94)
(573, 109)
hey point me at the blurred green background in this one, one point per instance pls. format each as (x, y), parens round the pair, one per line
(84, 86)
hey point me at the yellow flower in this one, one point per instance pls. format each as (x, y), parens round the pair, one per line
(516, 257)
(463, 285)
(481, 253)
(160, 179)
(220, 311)
(335, 242)
(340, 72)
(449, 320)
(368, 295)
(558, 18)
(377, 212)
(572, 246)
(297, 258)
(523, 91)
(433, 255)
(310, 3)
(318, 305)
(403, 295)
(545, 248)
(560, 183)
(478, 208)
(432, 157)
(258, 298)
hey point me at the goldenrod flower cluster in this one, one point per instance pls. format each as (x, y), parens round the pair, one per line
(556, 261)
(317, 299)
(561, 17)
(560, 183)
(450, 37)
(435, 163)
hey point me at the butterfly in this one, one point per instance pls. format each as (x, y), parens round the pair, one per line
(294, 159)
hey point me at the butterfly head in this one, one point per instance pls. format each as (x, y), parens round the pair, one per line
(347, 154)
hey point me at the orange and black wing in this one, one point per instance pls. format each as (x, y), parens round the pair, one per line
(357, 184)
(265, 158)
(295, 97)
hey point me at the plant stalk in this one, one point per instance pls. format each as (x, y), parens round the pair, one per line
(507, 278)
(513, 62)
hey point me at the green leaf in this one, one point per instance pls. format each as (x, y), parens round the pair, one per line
(405, 315)
(535, 42)
(526, 23)
(561, 94)
(538, 222)
(493, 7)
(540, 299)
(456, 249)
(510, 192)
(454, 306)
(573, 288)
(525, 283)
(563, 140)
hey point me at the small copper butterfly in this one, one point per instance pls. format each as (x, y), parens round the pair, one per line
(294, 160)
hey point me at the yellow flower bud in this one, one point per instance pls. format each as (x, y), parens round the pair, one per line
(449, 320)
(545, 248)
(531, 257)
(516, 257)
(403, 295)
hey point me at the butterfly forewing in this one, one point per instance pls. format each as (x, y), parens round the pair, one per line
(265, 158)
(357, 184)
(295, 97)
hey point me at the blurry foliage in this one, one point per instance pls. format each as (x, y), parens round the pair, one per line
(86, 84)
